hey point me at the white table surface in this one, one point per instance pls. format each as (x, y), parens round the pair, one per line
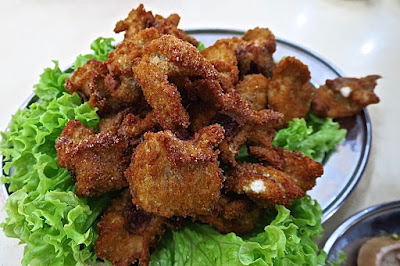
(359, 37)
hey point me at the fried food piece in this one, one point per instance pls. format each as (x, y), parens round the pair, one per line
(120, 80)
(127, 234)
(129, 52)
(133, 127)
(170, 177)
(161, 59)
(201, 114)
(111, 85)
(253, 88)
(302, 169)
(97, 161)
(88, 82)
(223, 57)
(112, 123)
(254, 52)
(139, 19)
(343, 97)
(290, 91)
(230, 146)
(259, 141)
(233, 213)
(128, 126)
(260, 146)
(265, 185)
(169, 57)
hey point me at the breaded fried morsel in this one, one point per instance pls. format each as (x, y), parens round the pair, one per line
(128, 126)
(91, 81)
(167, 58)
(258, 140)
(97, 161)
(129, 52)
(120, 80)
(289, 91)
(253, 88)
(343, 97)
(301, 168)
(265, 185)
(88, 82)
(171, 177)
(127, 234)
(201, 114)
(139, 19)
(223, 57)
(254, 52)
(233, 213)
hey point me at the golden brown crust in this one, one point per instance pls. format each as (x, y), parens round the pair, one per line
(258, 140)
(343, 97)
(265, 185)
(289, 91)
(112, 123)
(223, 57)
(97, 161)
(169, 57)
(127, 234)
(133, 127)
(170, 177)
(88, 82)
(301, 168)
(254, 52)
(233, 213)
(162, 58)
(94, 85)
(253, 88)
(129, 52)
(139, 19)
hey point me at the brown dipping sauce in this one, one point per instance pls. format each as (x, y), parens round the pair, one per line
(380, 251)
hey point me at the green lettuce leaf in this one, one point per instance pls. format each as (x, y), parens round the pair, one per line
(315, 137)
(201, 46)
(51, 83)
(286, 238)
(101, 48)
(43, 211)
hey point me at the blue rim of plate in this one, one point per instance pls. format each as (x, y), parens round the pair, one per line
(329, 210)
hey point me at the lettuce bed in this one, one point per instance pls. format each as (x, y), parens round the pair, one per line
(59, 228)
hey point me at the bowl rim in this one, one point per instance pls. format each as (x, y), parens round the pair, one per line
(353, 220)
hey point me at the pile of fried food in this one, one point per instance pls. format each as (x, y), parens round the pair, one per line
(173, 117)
